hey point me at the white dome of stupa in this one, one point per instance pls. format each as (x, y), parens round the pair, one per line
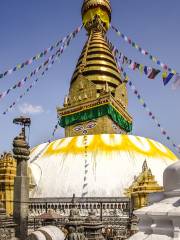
(58, 168)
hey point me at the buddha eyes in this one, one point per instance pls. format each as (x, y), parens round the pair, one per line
(81, 128)
(91, 125)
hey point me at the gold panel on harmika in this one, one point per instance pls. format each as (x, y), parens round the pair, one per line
(101, 67)
(94, 3)
(100, 8)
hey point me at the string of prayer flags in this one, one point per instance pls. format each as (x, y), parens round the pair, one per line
(24, 80)
(121, 71)
(39, 55)
(149, 71)
(49, 65)
(38, 69)
(164, 66)
(145, 106)
(20, 97)
(54, 131)
(152, 116)
(86, 168)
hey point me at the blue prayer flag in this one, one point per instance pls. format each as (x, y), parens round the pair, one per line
(146, 70)
(168, 78)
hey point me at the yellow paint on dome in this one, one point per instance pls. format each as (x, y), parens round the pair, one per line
(160, 146)
(112, 140)
(64, 143)
(109, 143)
(80, 141)
(141, 143)
(57, 144)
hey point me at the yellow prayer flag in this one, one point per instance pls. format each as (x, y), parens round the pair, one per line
(164, 75)
(141, 101)
(18, 66)
(141, 68)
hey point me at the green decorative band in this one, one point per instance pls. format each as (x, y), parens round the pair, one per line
(95, 113)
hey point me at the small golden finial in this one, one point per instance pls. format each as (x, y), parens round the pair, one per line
(66, 100)
(145, 166)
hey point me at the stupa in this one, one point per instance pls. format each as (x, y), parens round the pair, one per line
(98, 156)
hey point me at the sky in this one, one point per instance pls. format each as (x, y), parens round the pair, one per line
(28, 27)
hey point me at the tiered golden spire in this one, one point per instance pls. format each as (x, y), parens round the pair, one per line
(97, 62)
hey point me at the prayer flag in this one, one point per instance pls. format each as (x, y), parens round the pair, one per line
(168, 78)
(133, 65)
(153, 73)
(145, 70)
(141, 68)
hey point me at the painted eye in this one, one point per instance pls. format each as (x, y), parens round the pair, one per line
(115, 127)
(78, 128)
(91, 125)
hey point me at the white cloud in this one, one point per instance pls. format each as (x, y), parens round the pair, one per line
(27, 108)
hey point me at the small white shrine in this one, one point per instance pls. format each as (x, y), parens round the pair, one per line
(161, 220)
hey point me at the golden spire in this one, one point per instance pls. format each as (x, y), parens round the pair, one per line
(96, 80)
(97, 62)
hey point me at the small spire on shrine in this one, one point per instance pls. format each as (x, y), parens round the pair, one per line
(66, 101)
(145, 166)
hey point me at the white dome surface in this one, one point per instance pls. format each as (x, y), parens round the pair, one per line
(171, 177)
(58, 168)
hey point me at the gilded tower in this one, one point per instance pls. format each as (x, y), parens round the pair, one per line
(142, 186)
(97, 101)
(7, 174)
